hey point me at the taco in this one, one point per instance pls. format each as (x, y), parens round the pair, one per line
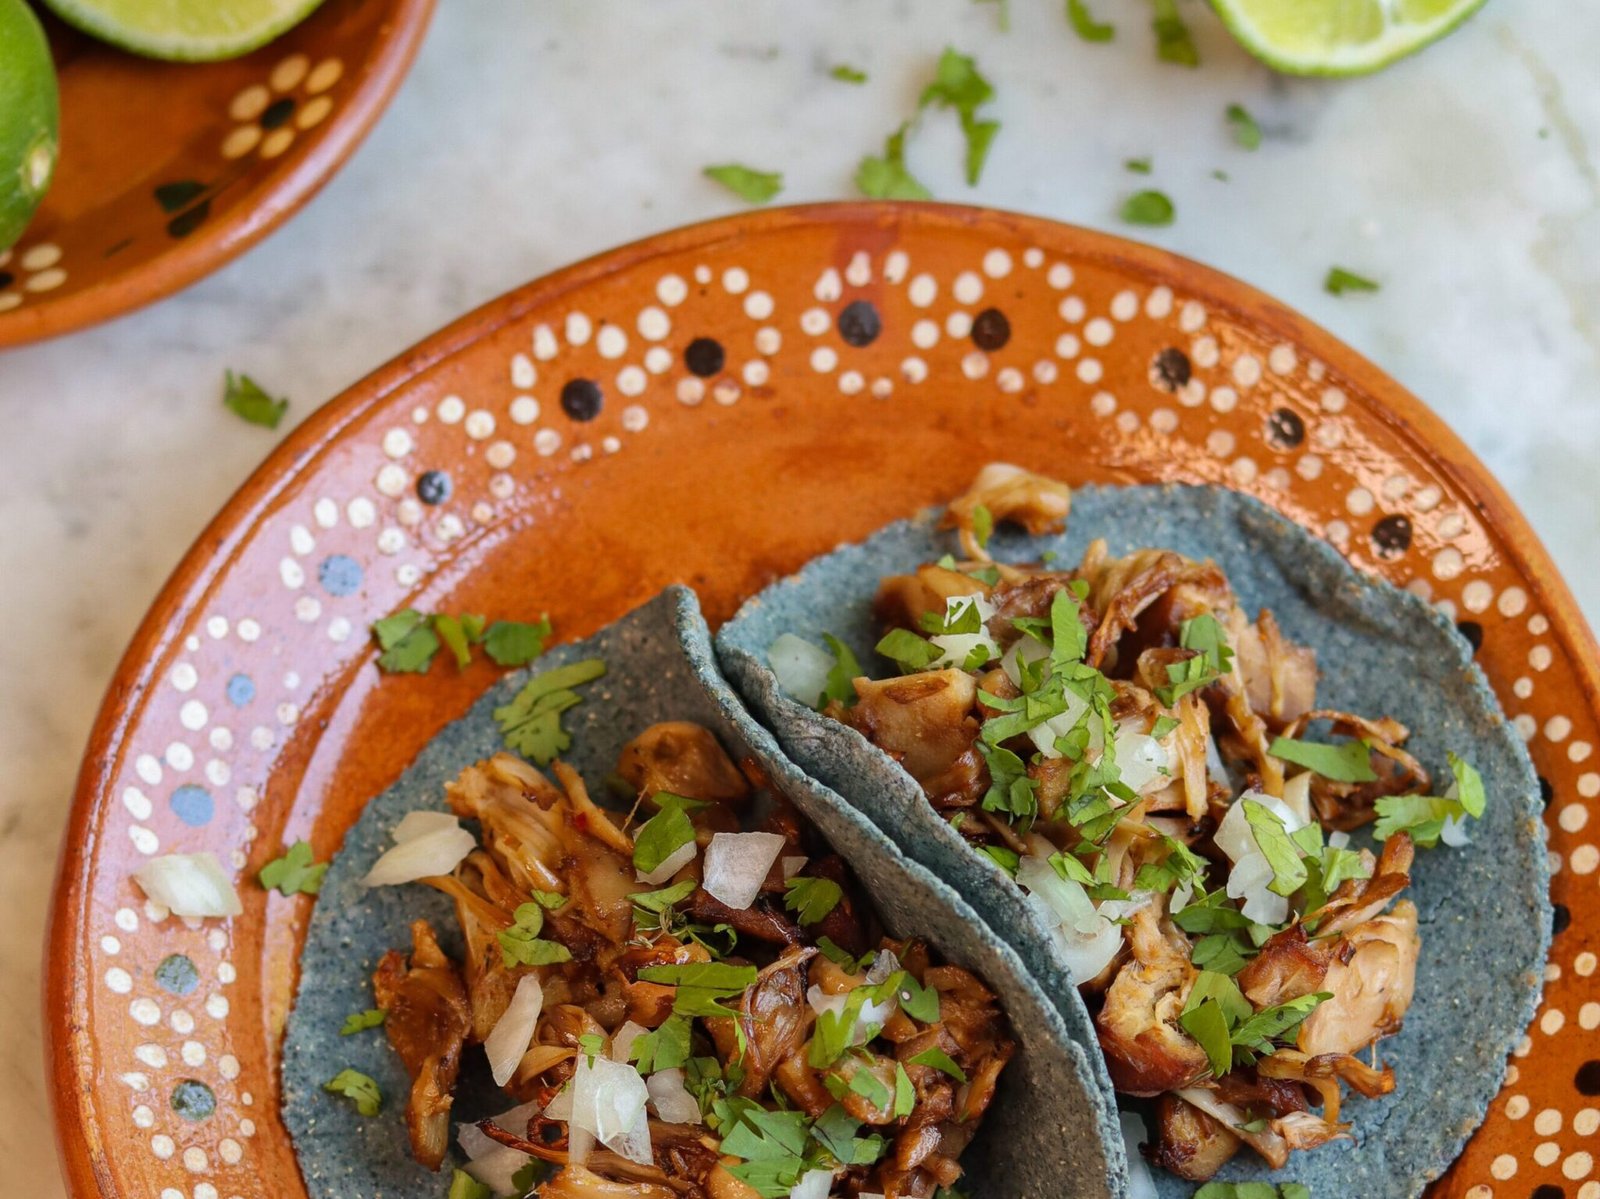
(1255, 821)
(683, 966)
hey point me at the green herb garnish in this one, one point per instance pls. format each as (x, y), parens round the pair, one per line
(1350, 762)
(959, 85)
(1148, 208)
(1139, 166)
(845, 73)
(887, 177)
(361, 1021)
(531, 722)
(295, 872)
(750, 185)
(843, 674)
(1424, 816)
(811, 899)
(1340, 281)
(1245, 130)
(668, 831)
(1084, 24)
(939, 1060)
(521, 945)
(244, 397)
(465, 1186)
(359, 1089)
(1173, 40)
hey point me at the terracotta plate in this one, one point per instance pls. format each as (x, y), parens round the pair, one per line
(168, 170)
(715, 406)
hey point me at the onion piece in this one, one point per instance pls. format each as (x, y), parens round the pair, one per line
(670, 865)
(671, 1098)
(424, 855)
(1141, 1183)
(490, 1162)
(800, 668)
(813, 1184)
(513, 1032)
(608, 1100)
(792, 864)
(1088, 938)
(869, 1020)
(622, 1040)
(422, 821)
(1143, 761)
(1251, 877)
(189, 884)
(1454, 832)
(737, 864)
(884, 963)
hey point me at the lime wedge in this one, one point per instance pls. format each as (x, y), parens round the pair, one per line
(29, 117)
(184, 30)
(1339, 37)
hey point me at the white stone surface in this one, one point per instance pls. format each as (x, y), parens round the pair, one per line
(532, 134)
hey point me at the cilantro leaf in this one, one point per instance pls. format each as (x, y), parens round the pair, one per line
(1148, 208)
(845, 670)
(407, 640)
(515, 643)
(910, 652)
(1209, 1027)
(887, 177)
(528, 1177)
(845, 73)
(939, 1060)
(959, 85)
(1347, 763)
(1006, 859)
(750, 185)
(701, 984)
(905, 1095)
(917, 1001)
(665, 1048)
(660, 901)
(1257, 1033)
(1469, 786)
(1084, 24)
(1163, 726)
(668, 831)
(465, 1186)
(1339, 281)
(244, 397)
(457, 634)
(982, 529)
(1245, 130)
(361, 1021)
(1282, 854)
(811, 899)
(295, 872)
(531, 722)
(1138, 166)
(521, 945)
(1253, 1190)
(359, 1089)
(1173, 41)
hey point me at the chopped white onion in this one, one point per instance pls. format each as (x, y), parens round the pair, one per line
(580, 1144)
(800, 668)
(884, 963)
(1297, 796)
(1339, 839)
(869, 1020)
(1142, 760)
(476, 1143)
(1215, 770)
(813, 1184)
(1252, 876)
(422, 856)
(608, 1100)
(792, 864)
(958, 647)
(560, 1108)
(1044, 735)
(1087, 938)
(1141, 1183)
(189, 884)
(1454, 832)
(1027, 650)
(671, 1098)
(737, 864)
(415, 824)
(622, 1040)
(513, 1032)
(674, 862)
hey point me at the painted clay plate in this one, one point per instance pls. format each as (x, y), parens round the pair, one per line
(168, 170)
(715, 406)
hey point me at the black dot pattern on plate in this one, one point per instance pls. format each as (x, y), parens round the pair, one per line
(581, 399)
(1587, 1079)
(193, 1100)
(277, 113)
(1171, 368)
(1471, 632)
(1547, 1191)
(859, 323)
(1546, 791)
(990, 329)
(1391, 536)
(1286, 430)
(1560, 919)
(433, 487)
(704, 357)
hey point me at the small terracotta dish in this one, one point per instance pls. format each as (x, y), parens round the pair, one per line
(716, 406)
(169, 170)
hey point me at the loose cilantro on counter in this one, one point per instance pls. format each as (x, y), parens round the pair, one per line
(244, 397)
(845, 73)
(1148, 208)
(750, 185)
(1340, 281)
(957, 85)
(887, 177)
(1084, 24)
(1245, 130)
(1174, 43)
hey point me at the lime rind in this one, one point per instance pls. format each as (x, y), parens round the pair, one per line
(1339, 37)
(30, 115)
(185, 30)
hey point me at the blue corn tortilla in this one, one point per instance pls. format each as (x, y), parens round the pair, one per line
(1485, 914)
(1050, 1132)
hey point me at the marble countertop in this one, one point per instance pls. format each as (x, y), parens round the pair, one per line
(531, 135)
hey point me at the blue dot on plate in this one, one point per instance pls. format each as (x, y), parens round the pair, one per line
(241, 690)
(339, 574)
(193, 805)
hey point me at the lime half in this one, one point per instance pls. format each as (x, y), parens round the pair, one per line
(1339, 37)
(184, 30)
(29, 118)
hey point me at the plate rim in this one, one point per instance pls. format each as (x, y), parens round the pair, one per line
(65, 976)
(277, 197)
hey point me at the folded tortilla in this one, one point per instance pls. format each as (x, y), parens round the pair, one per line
(1485, 914)
(1052, 1130)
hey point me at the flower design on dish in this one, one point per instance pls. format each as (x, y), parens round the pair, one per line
(293, 99)
(34, 269)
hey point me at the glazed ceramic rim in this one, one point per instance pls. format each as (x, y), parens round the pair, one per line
(273, 200)
(66, 979)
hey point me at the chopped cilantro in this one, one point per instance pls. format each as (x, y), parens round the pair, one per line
(668, 831)
(938, 1059)
(1347, 763)
(1213, 658)
(845, 73)
(359, 1089)
(1257, 1033)
(459, 633)
(750, 185)
(591, 1045)
(1139, 166)
(1245, 130)
(465, 1186)
(1225, 1024)
(531, 722)
(842, 675)
(1148, 208)
(1173, 41)
(910, 652)
(1281, 852)
(295, 872)
(1340, 281)
(407, 640)
(1253, 1190)
(917, 1001)
(361, 1021)
(701, 984)
(1004, 858)
(665, 1048)
(244, 397)
(1084, 24)
(982, 529)
(527, 1178)
(905, 1095)
(959, 85)
(887, 178)
(521, 945)
(514, 642)
(660, 901)
(1424, 816)
(811, 899)
(1163, 726)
